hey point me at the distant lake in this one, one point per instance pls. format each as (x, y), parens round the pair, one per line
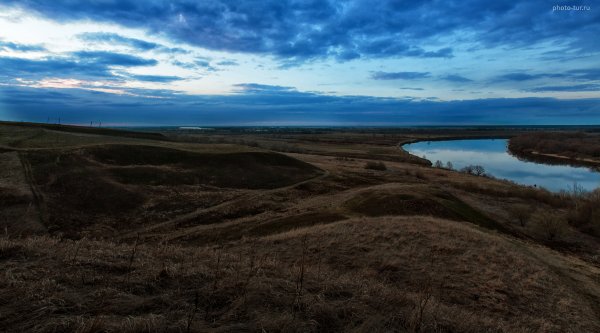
(493, 155)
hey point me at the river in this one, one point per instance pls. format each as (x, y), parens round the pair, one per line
(493, 155)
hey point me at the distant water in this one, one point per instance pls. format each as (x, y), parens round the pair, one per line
(493, 155)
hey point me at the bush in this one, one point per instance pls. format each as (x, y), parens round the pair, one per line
(420, 175)
(548, 225)
(522, 214)
(585, 212)
(375, 166)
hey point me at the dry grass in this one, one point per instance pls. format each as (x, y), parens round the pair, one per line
(584, 214)
(549, 226)
(417, 200)
(136, 241)
(359, 275)
(576, 148)
(109, 184)
(375, 166)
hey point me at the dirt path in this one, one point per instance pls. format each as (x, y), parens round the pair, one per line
(567, 158)
(246, 195)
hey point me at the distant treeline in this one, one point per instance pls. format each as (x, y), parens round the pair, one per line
(566, 146)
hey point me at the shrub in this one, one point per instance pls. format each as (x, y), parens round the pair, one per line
(522, 214)
(584, 214)
(375, 166)
(420, 175)
(548, 225)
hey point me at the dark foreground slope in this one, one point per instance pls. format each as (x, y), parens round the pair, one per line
(113, 234)
(365, 274)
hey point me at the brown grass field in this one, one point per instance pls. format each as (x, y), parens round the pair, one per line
(284, 231)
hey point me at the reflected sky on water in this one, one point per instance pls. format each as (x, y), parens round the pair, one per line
(492, 154)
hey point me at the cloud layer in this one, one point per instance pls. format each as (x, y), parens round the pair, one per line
(300, 61)
(257, 104)
(305, 29)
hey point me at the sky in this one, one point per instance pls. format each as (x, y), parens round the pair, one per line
(300, 62)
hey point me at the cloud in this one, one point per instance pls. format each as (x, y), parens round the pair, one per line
(13, 68)
(400, 75)
(262, 88)
(411, 88)
(199, 63)
(104, 58)
(257, 104)
(571, 88)
(517, 77)
(10, 46)
(112, 38)
(156, 78)
(391, 47)
(591, 74)
(227, 63)
(455, 78)
(302, 30)
(203, 63)
(78, 65)
(526, 77)
(134, 43)
(575, 80)
(445, 52)
(186, 65)
(294, 32)
(582, 74)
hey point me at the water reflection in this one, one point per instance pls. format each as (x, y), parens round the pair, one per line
(493, 156)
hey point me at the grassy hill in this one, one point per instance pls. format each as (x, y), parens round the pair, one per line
(362, 274)
(113, 233)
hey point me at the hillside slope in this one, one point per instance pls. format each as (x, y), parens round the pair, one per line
(104, 233)
(363, 274)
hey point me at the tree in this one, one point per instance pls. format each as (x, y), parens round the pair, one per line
(478, 170)
(438, 164)
(467, 169)
(449, 165)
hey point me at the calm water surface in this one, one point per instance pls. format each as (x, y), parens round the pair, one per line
(492, 154)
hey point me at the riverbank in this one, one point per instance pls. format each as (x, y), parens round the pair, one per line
(491, 157)
(575, 149)
(442, 137)
(526, 154)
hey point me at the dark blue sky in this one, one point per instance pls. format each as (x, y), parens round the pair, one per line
(284, 62)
